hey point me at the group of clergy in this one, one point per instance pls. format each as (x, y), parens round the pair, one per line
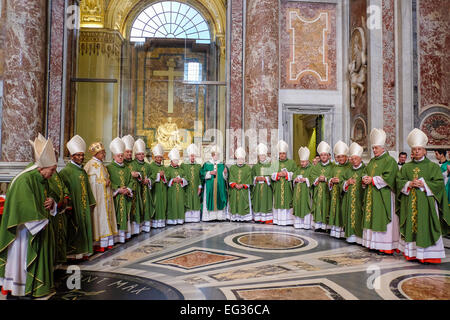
(50, 217)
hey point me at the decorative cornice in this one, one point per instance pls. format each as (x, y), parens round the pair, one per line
(100, 42)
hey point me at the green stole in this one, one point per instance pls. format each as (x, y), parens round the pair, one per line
(335, 217)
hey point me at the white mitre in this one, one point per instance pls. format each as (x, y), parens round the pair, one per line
(417, 138)
(356, 150)
(129, 142)
(158, 150)
(377, 137)
(139, 146)
(38, 145)
(174, 154)
(323, 147)
(282, 146)
(340, 148)
(240, 153)
(76, 145)
(117, 146)
(304, 153)
(261, 149)
(192, 149)
(44, 153)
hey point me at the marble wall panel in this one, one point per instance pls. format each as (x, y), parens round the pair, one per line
(389, 102)
(55, 73)
(24, 77)
(261, 66)
(308, 45)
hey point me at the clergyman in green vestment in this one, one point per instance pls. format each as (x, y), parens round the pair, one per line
(424, 213)
(335, 217)
(121, 182)
(145, 172)
(26, 238)
(262, 193)
(282, 187)
(175, 189)
(214, 173)
(239, 197)
(135, 186)
(193, 190)
(79, 231)
(320, 173)
(380, 220)
(159, 188)
(352, 201)
(303, 218)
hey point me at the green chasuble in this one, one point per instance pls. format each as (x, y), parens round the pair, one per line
(302, 193)
(136, 212)
(159, 192)
(419, 221)
(262, 194)
(25, 204)
(352, 202)
(120, 176)
(335, 217)
(144, 190)
(377, 202)
(447, 185)
(175, 193)
(192, 201)
(79, 233)
(58, 191)
(239, 199)
(216, 188)
(321, 192)
(282, 188)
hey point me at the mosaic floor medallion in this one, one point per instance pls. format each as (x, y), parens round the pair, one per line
(270, 241)
(415, 284)
(94, 285)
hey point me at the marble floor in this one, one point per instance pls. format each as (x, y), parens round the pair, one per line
(248, 261)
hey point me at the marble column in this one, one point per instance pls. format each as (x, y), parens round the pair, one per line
(24, 77)
(55, 81)
(261, 82)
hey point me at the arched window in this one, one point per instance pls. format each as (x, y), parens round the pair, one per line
(170, 19)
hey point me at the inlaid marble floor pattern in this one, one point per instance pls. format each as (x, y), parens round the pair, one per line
(250, 261)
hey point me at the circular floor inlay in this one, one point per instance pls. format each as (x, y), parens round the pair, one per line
(270, 241)
(430, 287)
(94, 285)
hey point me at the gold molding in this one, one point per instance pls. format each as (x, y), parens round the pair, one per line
(100, 41)
(92, 13)
(120, 14)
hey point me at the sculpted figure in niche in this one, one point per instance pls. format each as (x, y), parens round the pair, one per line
(358, 66)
